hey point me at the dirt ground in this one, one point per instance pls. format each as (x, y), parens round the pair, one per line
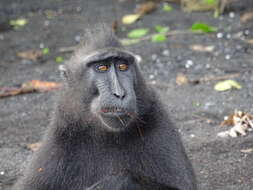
(196, 109)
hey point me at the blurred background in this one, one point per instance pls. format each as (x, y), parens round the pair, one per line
(198, 54)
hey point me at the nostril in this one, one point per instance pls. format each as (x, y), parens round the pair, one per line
(119, 95)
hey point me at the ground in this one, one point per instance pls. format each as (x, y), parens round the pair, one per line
(196, 109)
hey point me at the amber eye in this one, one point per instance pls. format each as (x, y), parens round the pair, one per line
(123, 67)
(102, 68)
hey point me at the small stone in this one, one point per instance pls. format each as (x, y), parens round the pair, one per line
(219, 35)
(78, 9)
(42, 45)
(228, 36)
(46, 23)
(208, 66)
(2, 173)
(1, 37)
(151, 77)
(153, 57)
(227, 57)
(166, 52)
(232, 15)
(77, 38)
(246, 32)
(188, 64)
(192, 135)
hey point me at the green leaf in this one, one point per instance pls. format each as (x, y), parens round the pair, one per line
(167, 8)
(45, 51)
(137, 33)
(161, 29)
(211, 2)
(227, 85)
(18, 23)
(202, 27)
(59, 59)
(158, 38)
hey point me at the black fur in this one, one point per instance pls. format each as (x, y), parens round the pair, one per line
(78, 153)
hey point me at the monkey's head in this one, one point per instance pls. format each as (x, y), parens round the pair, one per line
(103, 79)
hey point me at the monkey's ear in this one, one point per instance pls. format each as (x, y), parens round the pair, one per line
(63, 71)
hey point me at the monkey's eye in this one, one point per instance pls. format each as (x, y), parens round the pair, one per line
(102, 67)
(123, 66)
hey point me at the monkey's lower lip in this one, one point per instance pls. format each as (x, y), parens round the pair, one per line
(113, 112)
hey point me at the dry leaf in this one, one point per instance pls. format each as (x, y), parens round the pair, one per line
(242, 122)
(250, 41)
(249, 150)
(29, 87)
(34, 147)
(146, 8)
(33, 55)
(181, 79)
(41, 86)
(202, 48)
(246, 17)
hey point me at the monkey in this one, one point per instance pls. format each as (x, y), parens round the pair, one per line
(109, 129)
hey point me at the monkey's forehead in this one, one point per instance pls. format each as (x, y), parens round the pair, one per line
(109, 53)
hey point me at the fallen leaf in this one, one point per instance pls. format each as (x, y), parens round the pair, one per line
(33, 55)
(45, 51)
(227, 85)
(161, 29)
(18, 22)
(59, 59)
(242, 122)
(181, 79)
(250, 41)
(249, 150)
(167, 7)
(146, 8)
(34, 147)
(130, 19)
(246, 17)
(29, 87)
(158, 38)
(41, 86)
(203, 27)
(202, 48)
(137, 33)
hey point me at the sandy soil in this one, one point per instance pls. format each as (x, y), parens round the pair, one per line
(219, 163)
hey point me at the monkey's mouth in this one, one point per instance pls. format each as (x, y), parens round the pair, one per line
(114, 111)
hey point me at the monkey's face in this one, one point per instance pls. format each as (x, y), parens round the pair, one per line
(114, 101)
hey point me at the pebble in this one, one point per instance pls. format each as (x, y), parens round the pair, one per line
(151, 77)
(42, 45)
(232, 15)
(166, 52)
(227, 57)
(46, 23)
(2, 173)
(154, 57)
(188, 64)
(246, 32)
(1, 37)
(228, 36)
(219, 35)
(192, 135)
(208, 66)
(77, 38)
